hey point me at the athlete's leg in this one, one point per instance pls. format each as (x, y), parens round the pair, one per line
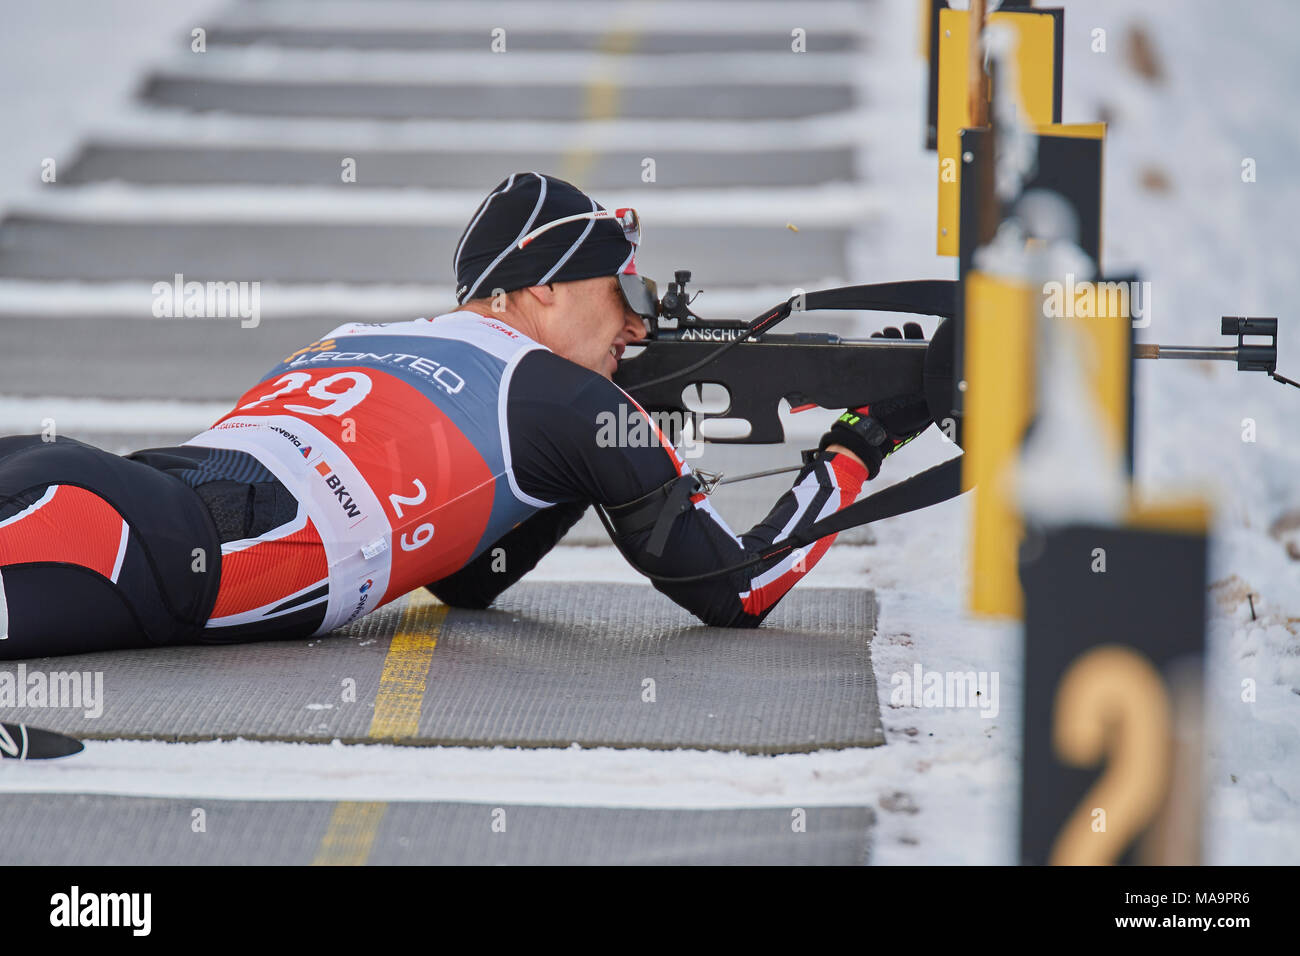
(64, 609)
(98, 552)
(274, 575)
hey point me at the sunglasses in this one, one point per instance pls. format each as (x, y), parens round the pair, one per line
(627, 218)
(641, 295)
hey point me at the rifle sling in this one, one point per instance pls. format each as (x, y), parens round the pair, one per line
(929, 487)
(657, 510)
(661, 507)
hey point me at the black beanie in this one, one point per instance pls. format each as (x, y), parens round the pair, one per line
(487, 256)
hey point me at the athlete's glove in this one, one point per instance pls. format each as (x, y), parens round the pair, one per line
(874, 432)
(911, 330)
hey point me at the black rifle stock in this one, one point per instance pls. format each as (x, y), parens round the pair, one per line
(758, 368)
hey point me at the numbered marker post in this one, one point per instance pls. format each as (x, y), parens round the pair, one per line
(1114, 644)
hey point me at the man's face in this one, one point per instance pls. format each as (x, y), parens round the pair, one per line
(590, 323)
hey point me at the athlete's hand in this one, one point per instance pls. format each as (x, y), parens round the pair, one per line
(871, 433)
(899, 429)
(911, 330)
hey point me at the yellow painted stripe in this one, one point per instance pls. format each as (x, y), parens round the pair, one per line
(354, 825)
(1182, 515)
(406, 669)
(351, 834)
(600, 102)
(999, 400)
(1072, 130)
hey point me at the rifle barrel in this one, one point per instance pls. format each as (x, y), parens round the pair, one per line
(881, 340)
(1221, 354)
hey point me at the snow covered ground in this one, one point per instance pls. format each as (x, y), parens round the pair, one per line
(1211, 245)
(945, 785)
(1215, 245)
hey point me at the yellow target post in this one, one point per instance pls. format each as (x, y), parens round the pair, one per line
(1037, 85)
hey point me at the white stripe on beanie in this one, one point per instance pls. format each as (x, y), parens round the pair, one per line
(591, 224)
(528, 227)
(455, 262)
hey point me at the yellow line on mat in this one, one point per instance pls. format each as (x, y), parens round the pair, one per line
(354, 825)
(350, 835)
(406, 668)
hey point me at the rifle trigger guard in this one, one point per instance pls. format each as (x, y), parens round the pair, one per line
(708, 480)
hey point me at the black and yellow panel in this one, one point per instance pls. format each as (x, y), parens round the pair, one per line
(1068, 162)
(1099, 311)
(1038, 69)
(927, 39)
(999, 325)
(999, 353)
(1114, 650)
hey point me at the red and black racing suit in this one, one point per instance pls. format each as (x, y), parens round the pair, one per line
(451, 453)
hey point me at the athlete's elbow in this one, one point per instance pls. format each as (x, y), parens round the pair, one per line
(460, 597)
(723, 617)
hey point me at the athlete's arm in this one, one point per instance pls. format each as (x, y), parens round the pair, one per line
(575, 436)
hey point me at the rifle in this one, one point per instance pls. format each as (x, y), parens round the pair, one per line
(759, 368)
